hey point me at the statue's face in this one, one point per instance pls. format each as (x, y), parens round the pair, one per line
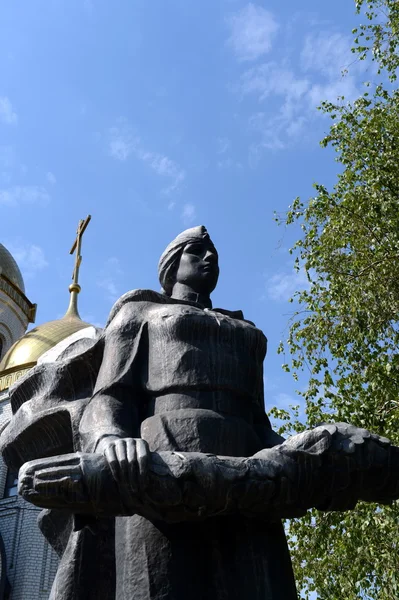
(198, 267)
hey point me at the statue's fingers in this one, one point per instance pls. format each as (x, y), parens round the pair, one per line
(110, 455)
(57, 487)
(59, 472)
(70, 460)
(348, 446)
(143, 455)
(359, 435)
(343, 428)
(66, 481)
(25, 483)
(121, 455)
(62, 461)
(26, 471)
(133, 466)
(381, 440)
(330, 427)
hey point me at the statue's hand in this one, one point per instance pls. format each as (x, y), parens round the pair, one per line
(341, 464)
(349, 439)
(128, 460)
(339, 439)
(42, 482)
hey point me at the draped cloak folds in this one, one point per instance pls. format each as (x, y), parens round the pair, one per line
(130, 557)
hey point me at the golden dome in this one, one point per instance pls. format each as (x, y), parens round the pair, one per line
(26, 351)
(10, 269)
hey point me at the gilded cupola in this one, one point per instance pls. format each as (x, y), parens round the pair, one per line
(26, 351)
(16, 310)
(10, 269)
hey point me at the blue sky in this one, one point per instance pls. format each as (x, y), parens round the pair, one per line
(154, 116)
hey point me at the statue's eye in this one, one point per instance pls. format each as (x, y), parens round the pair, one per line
(194, 249)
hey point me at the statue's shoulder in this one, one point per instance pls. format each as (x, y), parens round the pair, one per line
(137, 303)
(234, 314)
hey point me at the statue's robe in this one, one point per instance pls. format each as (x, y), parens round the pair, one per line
(182, 378)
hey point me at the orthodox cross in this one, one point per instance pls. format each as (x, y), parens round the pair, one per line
(77, 246)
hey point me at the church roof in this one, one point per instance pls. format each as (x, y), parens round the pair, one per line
(27, 350)
(10, 269)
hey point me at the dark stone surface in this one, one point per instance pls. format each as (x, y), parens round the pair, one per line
(330, 467)
(155, 461)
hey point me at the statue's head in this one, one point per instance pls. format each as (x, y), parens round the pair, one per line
(190, 259)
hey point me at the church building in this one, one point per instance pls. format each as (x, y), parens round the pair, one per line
(27, 562)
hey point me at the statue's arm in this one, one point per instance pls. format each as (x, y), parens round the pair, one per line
(330, 467)
(113, 411)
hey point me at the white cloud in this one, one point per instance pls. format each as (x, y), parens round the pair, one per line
(7, 113)
(29, 257)
(283, 400)
(252, 30)
(327, 53)
(277, 127)
(110, 287)
(282, 286)
(51, 178)
(225, 160)
(272, 78)
(108, 278)
(123, 144)
(347, 86)
(164, 167)
(30, 194)
(223, 145)
(188, 214)
(293, 92)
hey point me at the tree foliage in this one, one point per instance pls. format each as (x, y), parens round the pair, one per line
(346, 329)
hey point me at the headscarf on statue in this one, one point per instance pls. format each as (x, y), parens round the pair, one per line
(170, 258)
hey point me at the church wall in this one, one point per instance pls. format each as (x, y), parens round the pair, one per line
(31, 562)
(13, 321)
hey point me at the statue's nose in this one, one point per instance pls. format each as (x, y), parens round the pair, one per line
(210, 256)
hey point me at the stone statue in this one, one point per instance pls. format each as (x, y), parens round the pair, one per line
(153, 457)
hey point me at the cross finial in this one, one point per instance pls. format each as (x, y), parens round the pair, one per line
(77, 246)
(74, 288)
